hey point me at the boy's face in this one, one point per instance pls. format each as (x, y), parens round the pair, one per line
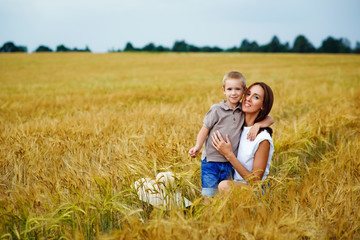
(233, 90)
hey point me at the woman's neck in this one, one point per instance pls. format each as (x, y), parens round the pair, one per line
(250, 119)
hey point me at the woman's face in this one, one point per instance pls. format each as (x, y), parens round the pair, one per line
(253, 99)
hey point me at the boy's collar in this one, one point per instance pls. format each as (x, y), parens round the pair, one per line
(226, 107)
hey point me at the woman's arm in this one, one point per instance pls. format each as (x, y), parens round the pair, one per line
(260, 158)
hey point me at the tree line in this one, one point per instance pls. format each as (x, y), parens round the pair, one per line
(11, 47)
(301, 45)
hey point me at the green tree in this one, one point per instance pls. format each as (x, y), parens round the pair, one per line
(232, 49)
(345, 45)
(275, 45)
(11, 47)
(149, 48)
(302, 45)
(357, 48)
(129, 47)
(87, 49)
(162, 49)
(193, 48)
(332, 45)
(62, 48)
(254, 47)
(180, 46)
(247, 46)
(43, 48)
(210, 49)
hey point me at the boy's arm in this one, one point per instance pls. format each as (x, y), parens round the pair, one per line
(200, 139)
(262, 124)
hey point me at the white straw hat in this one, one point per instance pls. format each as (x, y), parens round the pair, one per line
(161, 192)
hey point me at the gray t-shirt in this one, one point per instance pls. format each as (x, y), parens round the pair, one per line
(221, 117)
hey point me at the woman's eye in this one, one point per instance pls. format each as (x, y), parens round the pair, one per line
(256, 97)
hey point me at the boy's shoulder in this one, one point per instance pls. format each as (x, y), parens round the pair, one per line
(222, 106)
(217, 105)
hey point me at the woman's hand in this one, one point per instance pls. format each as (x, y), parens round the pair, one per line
(223, 147)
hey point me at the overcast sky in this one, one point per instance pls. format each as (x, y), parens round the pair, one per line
(109, 24)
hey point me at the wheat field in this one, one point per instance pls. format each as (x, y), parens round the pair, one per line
(77, 129)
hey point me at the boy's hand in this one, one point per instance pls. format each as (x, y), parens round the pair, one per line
(253, 132)
(194, 151)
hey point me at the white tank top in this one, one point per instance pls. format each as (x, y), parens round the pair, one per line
(247, 150)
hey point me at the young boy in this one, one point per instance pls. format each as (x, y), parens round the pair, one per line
(228, 118)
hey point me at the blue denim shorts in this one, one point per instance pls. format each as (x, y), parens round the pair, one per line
(264, 188)
(212, 173)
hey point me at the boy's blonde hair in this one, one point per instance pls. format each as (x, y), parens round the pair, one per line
(234, 75)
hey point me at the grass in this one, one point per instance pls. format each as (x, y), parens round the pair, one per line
(76, 131)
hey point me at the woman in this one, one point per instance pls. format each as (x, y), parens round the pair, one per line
(252, 162)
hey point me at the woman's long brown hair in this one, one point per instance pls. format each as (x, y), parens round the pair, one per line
(268, 101)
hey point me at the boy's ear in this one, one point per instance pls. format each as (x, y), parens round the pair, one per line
(223, 89)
